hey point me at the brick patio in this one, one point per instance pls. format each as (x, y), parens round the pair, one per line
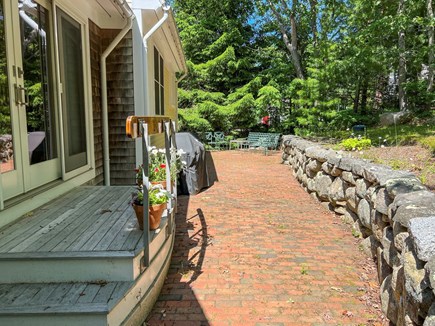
(256, 249)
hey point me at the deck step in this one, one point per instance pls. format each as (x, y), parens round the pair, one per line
(60, 303)
(69, 267)
(86, 303)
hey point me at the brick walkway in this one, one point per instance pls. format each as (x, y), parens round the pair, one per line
(256, 249)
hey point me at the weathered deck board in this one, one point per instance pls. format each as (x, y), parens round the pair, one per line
(132, 240)
(89, 293)
(12, 293)
(58, 294)
(105, 293)
(36, 219)
(122, 224)
(48, 230)
(27, 295)
(71, 232)
(44, 297)
(44, 293)
(84, 220)
(121, 212)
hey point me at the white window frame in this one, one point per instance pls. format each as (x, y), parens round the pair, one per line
(82, 19)
(159, 81)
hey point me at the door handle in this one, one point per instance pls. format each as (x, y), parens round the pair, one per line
(17, 95)
(25, 96)
(21, 96)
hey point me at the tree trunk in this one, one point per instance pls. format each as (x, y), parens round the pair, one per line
(402, 61)
(291, 44)
(356, 98)
(313, 5)
(364, 91)
(431, 46)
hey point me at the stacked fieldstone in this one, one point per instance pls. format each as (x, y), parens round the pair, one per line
(393, 213)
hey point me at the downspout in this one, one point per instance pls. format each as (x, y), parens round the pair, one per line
(103, 71)
(145, 44)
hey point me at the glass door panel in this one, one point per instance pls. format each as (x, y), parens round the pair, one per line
(40, 113)
(28, 137)
(6, 141)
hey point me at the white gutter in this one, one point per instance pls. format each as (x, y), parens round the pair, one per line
(105, 115)
(184, 75)
(145, 44)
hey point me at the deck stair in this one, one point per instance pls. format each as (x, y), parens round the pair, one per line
(76, 260)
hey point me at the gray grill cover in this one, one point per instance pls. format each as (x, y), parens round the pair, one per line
(199, 172)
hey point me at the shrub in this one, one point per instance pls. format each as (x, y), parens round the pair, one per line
(352, 144)
(429, 142)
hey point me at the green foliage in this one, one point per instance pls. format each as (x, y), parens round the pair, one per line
(352, 144)
(349, 55)
(429, 142)
(191, 120)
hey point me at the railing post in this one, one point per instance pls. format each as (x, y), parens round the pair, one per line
(174, 145)
(145, 189)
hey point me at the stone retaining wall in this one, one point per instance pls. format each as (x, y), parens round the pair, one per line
(393, 213)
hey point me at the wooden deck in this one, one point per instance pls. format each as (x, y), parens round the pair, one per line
(88, 219)
(91, 229)
(78, 260)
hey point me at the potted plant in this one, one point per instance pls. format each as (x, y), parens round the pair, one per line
(158, 199)
(157, 166)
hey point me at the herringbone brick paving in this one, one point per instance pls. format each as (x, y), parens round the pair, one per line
(256, 249)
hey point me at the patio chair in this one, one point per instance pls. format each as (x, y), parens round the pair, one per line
(219, 140)
(359, 130)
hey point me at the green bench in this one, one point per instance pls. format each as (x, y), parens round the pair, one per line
(266, 140)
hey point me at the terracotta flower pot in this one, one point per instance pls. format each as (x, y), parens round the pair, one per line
(155, 213)
(162, 183)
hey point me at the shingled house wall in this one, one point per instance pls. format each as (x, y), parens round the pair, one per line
(120, 90)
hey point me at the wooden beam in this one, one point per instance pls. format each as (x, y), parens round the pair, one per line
(155, 125)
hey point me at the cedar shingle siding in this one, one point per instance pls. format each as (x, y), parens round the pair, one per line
(95, 48)
(120, 104)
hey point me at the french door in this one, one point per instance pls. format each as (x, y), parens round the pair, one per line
(29, 146)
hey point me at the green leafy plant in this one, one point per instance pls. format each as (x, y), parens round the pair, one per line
(429, 142)
(157, 195)
(352, 144)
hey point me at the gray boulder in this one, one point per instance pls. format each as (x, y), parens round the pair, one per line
(422, 231)
(430, 319)
(391, 118)
(382, 201)
(337, 190)
(364, 213)
(323, 182)
(403, 185)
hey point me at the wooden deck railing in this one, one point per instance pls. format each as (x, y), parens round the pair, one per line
(144, 126)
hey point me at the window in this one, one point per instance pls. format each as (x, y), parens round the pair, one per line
(73, 97)
(159, 89)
